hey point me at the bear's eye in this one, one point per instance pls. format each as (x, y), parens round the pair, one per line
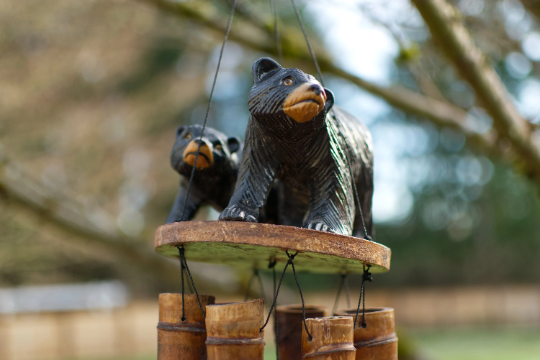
(288, 81)
(188, 136)
(218, 147)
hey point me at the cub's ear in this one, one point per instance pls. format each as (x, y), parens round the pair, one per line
(233, 143)
(262, 67)
(180, 130)
(329, 100)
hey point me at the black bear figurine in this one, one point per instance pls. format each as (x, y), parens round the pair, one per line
(292, 136)
(215, 174)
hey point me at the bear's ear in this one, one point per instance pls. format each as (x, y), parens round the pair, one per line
(233, 143)
(180, 130)
(329, 100)
(262, 67)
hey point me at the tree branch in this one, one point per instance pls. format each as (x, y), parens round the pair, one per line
(439, 112)
(457, 44)
(533, 6)
(17, 187)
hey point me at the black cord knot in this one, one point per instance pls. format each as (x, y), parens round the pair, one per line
(366, 276)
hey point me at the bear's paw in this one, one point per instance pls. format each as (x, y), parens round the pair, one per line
(237, 213)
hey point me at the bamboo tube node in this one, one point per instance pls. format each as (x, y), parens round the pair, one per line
(179, 339)
(289, 319)
(378, 340)
(234, 331)
(332, 339)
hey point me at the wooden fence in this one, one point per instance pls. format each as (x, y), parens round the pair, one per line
(130, 332)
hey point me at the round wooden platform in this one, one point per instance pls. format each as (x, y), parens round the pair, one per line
(253, 245)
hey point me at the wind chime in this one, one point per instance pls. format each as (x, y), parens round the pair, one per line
(297, 195)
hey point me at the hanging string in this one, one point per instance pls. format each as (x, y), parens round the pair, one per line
(336, 302)
(366, 276)
(355, 190)
(276, 295)
(347, 292)
(183, 264)
(257, 275)
(272, 265)
(299, 290)
(182, 276)
(209, 106)
(276, 32)
(299, 17)
(357, 198)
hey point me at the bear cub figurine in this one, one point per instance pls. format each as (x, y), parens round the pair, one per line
(216, 170)
(293, 136)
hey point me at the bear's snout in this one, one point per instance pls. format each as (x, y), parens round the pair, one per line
(305, 102)
(206, 157)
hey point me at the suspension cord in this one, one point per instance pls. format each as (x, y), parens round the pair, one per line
(341, 282)
(366, 276)
(299, 290)
(367, 237)
(272, 265)
(229, 23)
(357, 198)
(276, 31)
(257, 275)
(183, 264)
(307, 40)
(182, 276)
(276, 294)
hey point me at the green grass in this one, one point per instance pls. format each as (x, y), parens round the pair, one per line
(479, 344)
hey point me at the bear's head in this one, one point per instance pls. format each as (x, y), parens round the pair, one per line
(218, 154)
(287, 93)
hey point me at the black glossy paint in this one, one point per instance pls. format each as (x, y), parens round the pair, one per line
(309, 158)
(211, 186)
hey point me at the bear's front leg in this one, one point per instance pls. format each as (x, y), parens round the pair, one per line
(331, 202)
(192, 205)
(255, 179)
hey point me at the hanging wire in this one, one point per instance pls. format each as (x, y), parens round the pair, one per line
(272, 265)
(257, 275)
(336, 302)
(229, 23)
(182, 276)
(301, 295)
(276, 294)
(355, 190)
(276, 31)
(347, 292)
(366, 276)
(307, 41)
(183, 264)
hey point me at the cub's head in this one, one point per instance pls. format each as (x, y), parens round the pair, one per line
(218, 154)
(287, 92)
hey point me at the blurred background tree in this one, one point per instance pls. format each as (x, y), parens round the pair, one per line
(91, 94)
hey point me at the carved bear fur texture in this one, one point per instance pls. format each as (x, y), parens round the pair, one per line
(293, 136)
(216, 170)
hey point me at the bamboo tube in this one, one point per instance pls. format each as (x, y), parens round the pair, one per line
(179, 339)
(332, 339)
(234, 331)
(377, 341)
(289, 320)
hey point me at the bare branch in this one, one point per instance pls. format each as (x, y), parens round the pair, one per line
(457, 44)
(439, 112)
(17, 187)
(533, 6)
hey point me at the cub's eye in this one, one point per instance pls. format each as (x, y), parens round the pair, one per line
(287, 81)
(188, 136)
(218, 147)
